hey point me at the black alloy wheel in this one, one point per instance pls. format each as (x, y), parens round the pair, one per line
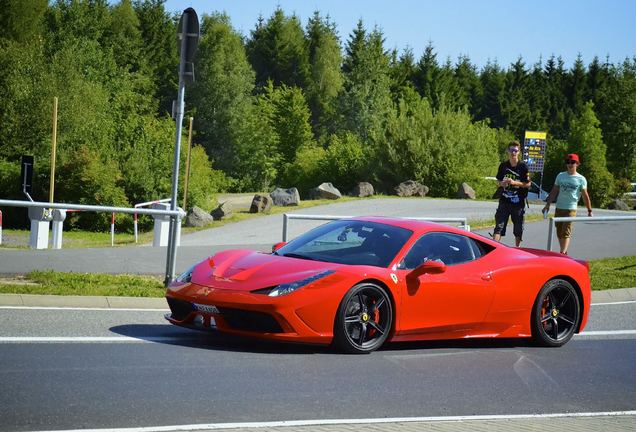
(364, 319)
(556, 313)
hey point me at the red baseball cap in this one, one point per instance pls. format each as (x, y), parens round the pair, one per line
(574, 157)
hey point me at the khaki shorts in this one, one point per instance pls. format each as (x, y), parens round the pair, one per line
(564, 229)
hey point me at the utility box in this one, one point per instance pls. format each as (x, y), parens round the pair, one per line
(40, 218)
(57, 227)
(161, 231)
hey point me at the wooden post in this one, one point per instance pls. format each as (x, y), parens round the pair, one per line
(53, 150)
(187, 173)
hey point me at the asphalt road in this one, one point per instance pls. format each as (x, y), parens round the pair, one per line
(591, 239)
(134, 370)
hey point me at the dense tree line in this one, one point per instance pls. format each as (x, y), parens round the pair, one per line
(287, 105)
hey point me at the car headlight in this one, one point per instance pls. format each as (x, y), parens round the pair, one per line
(186, 276)
(286, 288)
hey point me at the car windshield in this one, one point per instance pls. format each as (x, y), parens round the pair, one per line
(349, 242)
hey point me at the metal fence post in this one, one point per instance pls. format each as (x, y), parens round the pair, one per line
(550, 230)
(285, 222)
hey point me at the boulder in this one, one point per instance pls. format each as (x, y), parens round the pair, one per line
(363, 189)
(197, 217)
(261, 204)
(465, 192)
(617, 204)
(325, 191)
(285, 197)
(223, 211)
(411, 188)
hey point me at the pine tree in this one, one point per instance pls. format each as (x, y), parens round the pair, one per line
(277, 51)
(158, 32)
(493, 82)
(325, 78)
(586, 140)
(21, 21)
(221, 94)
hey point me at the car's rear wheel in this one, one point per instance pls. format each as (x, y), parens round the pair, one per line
(363, 320)
(556, 313)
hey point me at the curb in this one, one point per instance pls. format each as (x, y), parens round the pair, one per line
(33, 300)
(614, 295)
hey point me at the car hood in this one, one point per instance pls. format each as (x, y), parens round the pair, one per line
(246, 270)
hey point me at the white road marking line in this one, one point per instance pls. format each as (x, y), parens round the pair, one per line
(185, 338)
(614, 303)
(607, 333)
(94, 339)
(113, 309)
(289, 423)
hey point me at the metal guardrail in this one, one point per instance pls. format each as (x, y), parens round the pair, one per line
(92, 208)
(553, 220)
(178, 214)
(463, 223)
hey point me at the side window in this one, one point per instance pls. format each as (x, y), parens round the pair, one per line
(445, 247)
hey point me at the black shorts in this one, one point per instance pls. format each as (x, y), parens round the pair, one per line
(515, 212)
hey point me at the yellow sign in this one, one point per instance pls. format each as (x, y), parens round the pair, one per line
(534, 150)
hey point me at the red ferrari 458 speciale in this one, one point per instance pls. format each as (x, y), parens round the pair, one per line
(360, 282)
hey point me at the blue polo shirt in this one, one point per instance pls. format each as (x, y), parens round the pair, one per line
(570, 187)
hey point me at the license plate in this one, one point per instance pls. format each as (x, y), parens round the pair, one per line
(206, 308)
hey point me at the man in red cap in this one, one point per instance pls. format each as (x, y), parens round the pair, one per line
(568, 188)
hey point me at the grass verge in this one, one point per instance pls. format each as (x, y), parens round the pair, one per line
(83, 284)
(608, 273)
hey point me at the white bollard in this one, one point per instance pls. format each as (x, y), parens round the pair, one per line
(39, 237)
(57, 226)
(161, 230)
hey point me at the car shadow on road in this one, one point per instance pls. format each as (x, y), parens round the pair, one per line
(170, 335)
(210, 340)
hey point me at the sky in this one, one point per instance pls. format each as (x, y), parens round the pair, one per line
(484, 30)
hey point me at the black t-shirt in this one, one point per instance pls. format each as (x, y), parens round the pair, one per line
(513, 194)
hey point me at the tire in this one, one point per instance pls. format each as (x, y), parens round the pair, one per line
(364, 319)
(556, 313)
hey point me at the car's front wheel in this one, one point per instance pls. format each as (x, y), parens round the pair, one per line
(363, 320)
(556, 313)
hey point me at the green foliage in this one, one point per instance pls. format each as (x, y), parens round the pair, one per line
(278, 52)
(365, 104)
(89, 178)
(21, 21)
(221, 95)
(554, 162)
(305, 171)
(204, 181)
(585, 139)
(441, 149)
(345, 162)
(325, 77)
(617, 113)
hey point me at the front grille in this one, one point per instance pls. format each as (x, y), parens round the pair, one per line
(180, 309)
(250, 321)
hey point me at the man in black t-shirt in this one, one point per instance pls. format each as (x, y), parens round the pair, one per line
(512, 176)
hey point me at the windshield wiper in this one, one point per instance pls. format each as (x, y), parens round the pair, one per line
(295, 255)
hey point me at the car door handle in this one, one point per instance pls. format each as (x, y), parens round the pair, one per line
(487, 276)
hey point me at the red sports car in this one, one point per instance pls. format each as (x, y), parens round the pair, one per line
(364, 281)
